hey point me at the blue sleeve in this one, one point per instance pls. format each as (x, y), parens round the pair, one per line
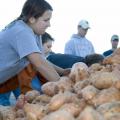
(25, 44)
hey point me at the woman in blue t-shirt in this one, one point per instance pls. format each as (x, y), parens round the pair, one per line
(21, 57)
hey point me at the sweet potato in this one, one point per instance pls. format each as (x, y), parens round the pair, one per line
(79, 71)
(42, 99)
(109, 108)
(105, 96)
(95, 67)
(21, 101)
(114, 58)
(73, 108)
(59, 99)
(89, 92)
(34, 111)
(80, 85)
(31, 95)
(59, 115)
(20, 113)
(7, 113)
(50, 88)
(114, 116)
(21, 119)
(65, 84)
(90, 114)
(103, 80)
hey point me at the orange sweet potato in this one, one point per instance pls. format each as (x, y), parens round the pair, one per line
(50, 88)
(79, 71)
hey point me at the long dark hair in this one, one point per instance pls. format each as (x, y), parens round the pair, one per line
(34, 8)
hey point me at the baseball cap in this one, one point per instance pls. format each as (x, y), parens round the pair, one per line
(115, 37)
(84, 24)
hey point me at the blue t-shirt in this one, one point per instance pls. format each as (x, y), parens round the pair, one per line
(108, 52)
(17, 41)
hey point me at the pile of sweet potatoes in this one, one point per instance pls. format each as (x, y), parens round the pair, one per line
(88, 93)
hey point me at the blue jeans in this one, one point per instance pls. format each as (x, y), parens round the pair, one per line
(5, 97)
(36, 84)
